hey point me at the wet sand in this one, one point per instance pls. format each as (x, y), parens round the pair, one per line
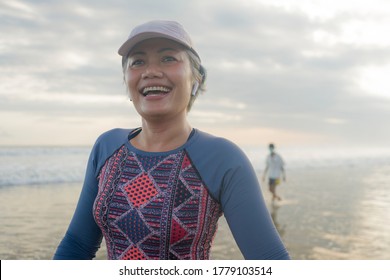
(336, 214)
(326, 213)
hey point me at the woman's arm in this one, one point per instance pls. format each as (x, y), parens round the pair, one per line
(246, 212)
(83, 237)
(232, 181)
(249, 219)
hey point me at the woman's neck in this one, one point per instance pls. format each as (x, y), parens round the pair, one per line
(162, 137)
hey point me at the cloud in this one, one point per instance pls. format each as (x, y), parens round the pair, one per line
(272, 66)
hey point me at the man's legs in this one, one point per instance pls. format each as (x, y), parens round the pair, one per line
(272, 188)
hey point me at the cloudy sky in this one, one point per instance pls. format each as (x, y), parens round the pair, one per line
(304, 72)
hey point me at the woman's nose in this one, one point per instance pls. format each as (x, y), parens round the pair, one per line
(152, 71)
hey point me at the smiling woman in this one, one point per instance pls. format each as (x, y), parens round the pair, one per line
(172, 55)
(156, 78)
(157, 191)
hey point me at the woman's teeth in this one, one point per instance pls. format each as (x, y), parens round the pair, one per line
(155, 90)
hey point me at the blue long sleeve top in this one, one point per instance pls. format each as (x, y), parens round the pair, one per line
(166, 205)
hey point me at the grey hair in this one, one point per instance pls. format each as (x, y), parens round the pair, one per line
(198, 72)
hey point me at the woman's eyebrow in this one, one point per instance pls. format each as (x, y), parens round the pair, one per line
(137, 53)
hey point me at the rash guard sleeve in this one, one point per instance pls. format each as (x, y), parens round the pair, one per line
(83, 237)
(233, 182)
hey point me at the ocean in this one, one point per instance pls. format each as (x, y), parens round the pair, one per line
(42, 165)
(56, 165)
(335, 202)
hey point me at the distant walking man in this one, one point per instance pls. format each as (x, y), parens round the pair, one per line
(275, 169)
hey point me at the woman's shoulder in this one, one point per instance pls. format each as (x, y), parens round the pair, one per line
(219, 146)
(115, 134)
(110, 141)
(216, 141)
(106, 144)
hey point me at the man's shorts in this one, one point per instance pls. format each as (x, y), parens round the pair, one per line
(274, 182)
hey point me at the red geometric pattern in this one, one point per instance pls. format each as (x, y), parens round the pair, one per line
(133, 254)
(155, 207)
(177, 232)
(186, 162)
(141, 190)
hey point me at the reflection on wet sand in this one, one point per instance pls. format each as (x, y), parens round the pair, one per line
(336, 213)
(274, 215)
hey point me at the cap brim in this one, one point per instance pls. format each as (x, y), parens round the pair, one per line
(130, 43)
(127, 46)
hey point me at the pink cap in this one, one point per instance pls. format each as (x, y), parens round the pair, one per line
(157, 29)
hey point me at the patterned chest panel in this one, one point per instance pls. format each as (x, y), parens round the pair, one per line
(154, 208)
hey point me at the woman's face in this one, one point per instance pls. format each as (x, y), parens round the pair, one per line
(159, 79)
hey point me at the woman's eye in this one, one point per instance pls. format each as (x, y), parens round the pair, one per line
(168, 59)
(136, 62)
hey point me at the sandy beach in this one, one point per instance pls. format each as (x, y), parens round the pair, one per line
(336, 212)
